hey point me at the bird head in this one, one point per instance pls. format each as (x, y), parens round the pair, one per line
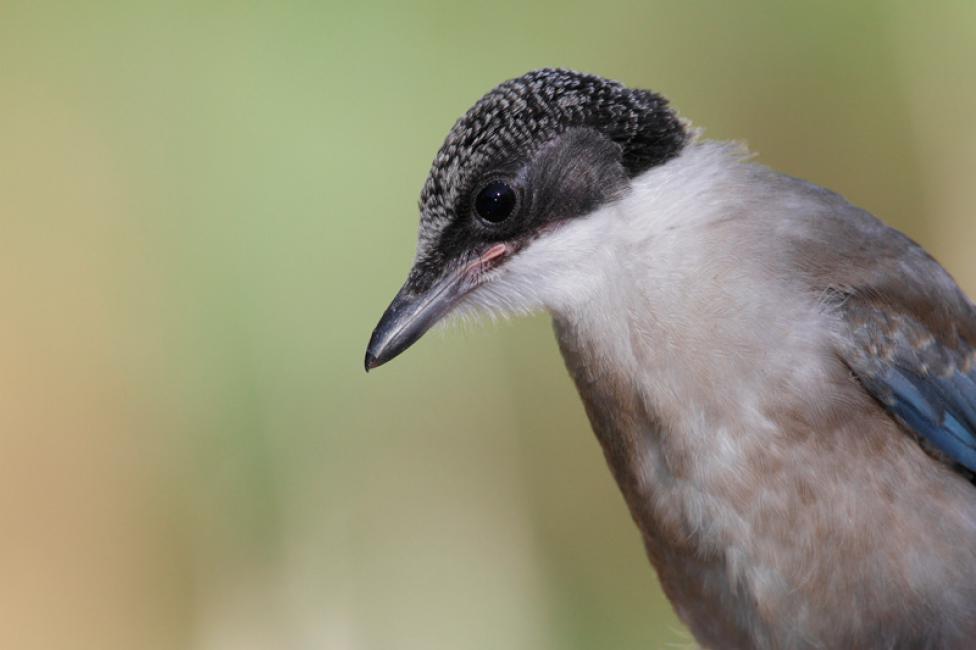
(536, 153)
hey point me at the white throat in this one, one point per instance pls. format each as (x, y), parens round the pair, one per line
(575, 266)
(672, 286)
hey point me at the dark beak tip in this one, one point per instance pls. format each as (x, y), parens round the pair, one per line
(370, 362)
(409, 316)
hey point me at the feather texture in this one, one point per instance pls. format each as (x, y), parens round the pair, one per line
(711, 319)
(927, 383)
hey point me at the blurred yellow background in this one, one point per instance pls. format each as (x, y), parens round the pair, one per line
(206, 206)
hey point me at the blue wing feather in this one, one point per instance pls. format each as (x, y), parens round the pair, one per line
(940, 410)
(961, 392)
(938, 415)
(927, 384)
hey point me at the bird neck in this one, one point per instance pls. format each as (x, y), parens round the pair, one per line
(669, 346)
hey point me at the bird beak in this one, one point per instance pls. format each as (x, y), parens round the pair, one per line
(412, 313)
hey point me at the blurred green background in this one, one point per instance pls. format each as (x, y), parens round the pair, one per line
(206, 206)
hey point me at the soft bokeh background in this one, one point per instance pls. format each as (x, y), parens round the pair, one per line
(205, 207)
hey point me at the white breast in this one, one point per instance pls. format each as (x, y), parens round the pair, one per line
(708, 374)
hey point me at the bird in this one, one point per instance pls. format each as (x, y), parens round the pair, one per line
(783, 386)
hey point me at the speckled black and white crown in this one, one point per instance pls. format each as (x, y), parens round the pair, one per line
(520, 115)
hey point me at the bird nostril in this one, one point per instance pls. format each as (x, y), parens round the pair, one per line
(487, 260)
(493, 253)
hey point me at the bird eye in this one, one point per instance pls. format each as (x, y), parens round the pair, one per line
(495, 202)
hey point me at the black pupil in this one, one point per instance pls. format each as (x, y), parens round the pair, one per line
(495, 201)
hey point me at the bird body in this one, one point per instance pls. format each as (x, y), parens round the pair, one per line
(779, 503)
(781, 384)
